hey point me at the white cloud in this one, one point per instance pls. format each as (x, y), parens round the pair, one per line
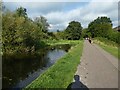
(60, 0)
(85, 14)
(104, 0)
(46, 0)
(55, 27)
(59, 18)
(115, 23)
(35, 7)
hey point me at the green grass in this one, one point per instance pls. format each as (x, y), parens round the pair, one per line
(111, 48)
(61, 74)
(56, 42)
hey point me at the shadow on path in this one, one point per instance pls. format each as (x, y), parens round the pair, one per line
(77, 85)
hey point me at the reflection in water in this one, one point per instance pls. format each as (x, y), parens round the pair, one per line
(20, 70)
(54, 55)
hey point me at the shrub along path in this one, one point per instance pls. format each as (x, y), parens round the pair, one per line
(98, 69)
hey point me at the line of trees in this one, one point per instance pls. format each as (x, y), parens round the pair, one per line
(22, 34)
(100, 27)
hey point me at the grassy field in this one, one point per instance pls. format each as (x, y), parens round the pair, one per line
(61, 74)
(108, 46)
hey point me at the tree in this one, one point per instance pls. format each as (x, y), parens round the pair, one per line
(73, 31)
(60, 34)
(100, 26)
(20, 33)
(9, 31)
(86, 33)
(42, 21)
(21, 12)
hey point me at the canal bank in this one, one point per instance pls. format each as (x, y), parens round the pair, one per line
(19, 70)
(60, 75)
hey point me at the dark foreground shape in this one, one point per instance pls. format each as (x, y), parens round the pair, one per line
(89, 41)
(77, 85)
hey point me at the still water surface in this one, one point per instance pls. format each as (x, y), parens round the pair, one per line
(19, 71)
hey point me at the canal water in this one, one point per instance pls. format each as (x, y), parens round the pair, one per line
(18, 71)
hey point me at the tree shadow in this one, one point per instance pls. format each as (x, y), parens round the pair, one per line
(77, 85)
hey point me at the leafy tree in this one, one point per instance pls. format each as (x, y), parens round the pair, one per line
(86, 33)
(73, 31)
(42, 21)
(20, 33)
(51, 35)
(21, 12)
(60, 34)
(100, 26)
(114, 36)
(9, 31)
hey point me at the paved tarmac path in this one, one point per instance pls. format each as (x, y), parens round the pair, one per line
(98, 68)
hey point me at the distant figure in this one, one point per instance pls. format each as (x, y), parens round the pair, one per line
(77, 84)
(90, 40)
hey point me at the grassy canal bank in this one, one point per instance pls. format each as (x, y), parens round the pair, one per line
(60, 75)
(59, 42)
(108, 46)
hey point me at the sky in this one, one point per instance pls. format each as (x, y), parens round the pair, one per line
(59, 13)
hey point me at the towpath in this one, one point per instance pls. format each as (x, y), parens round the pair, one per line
(98, 69)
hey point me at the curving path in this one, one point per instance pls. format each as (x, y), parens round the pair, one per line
(98, 69)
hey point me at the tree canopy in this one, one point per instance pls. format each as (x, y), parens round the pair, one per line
(21, 12)
(100, 26)
(73, 31)
(42, 23)
(22, 34)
